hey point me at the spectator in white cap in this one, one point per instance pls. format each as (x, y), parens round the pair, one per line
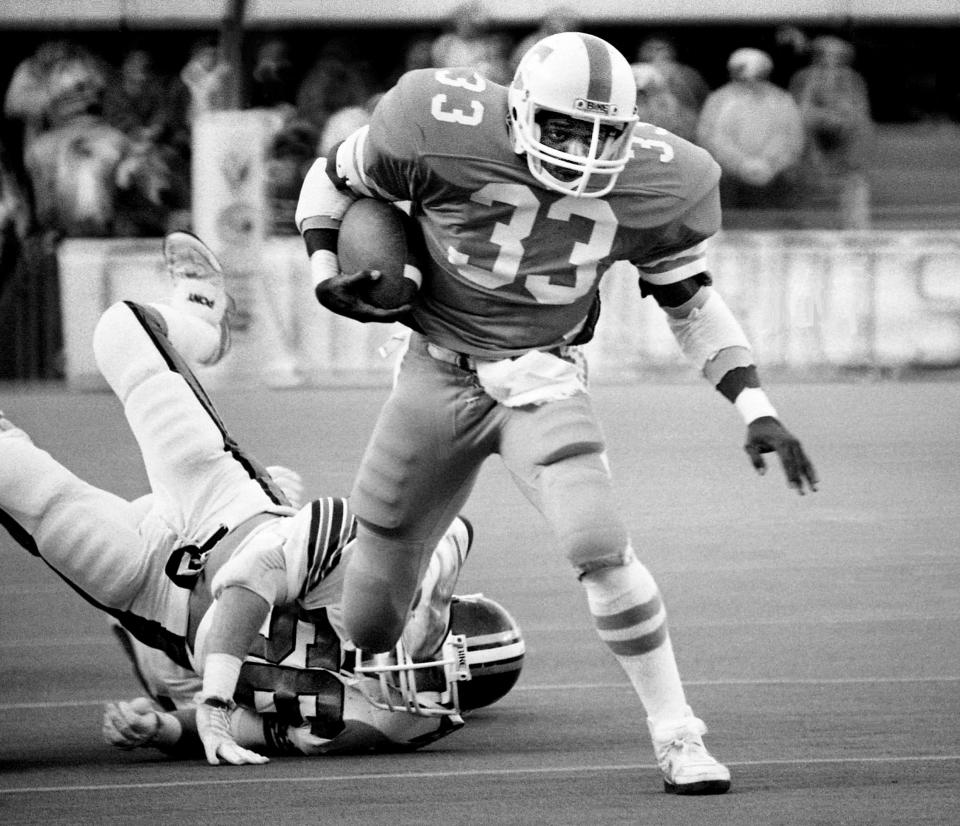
(754, 131)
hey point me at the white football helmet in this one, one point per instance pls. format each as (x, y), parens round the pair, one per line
(478, 664)
(583, 77)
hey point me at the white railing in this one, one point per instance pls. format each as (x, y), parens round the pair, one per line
(811, 299)
(808, 300)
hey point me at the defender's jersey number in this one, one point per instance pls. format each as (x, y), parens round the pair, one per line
(288, 671)
(298, 638)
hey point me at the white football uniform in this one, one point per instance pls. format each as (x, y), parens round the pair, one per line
(214, 508)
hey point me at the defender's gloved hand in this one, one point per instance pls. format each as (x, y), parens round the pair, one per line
(768, 435)
(219, 745)
(341, 295)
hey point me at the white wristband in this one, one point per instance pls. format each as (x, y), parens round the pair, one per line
(220, 675)
(752, 403)
(323, 265)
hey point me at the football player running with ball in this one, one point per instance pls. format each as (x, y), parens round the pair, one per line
(525, 196)
(221, 573)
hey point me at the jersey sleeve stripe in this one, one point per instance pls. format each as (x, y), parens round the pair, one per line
(319, 222)
(358, 147)
(676, 267)
(351, 157)
(331, 527)
(312, 534)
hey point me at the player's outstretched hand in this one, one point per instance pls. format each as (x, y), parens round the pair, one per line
(768, 435)
(341, 294)
(130, 725)
(213, 726)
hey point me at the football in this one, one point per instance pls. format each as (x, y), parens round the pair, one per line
(373, 236)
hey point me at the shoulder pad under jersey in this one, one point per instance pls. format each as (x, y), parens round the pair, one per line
(443, 123)
(665, 177)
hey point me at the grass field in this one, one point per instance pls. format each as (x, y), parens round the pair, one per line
(818, 635)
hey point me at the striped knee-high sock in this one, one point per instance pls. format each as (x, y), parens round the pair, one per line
(631, 620)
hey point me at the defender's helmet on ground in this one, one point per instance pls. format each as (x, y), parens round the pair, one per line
(480, 661)
(495, 649)
(583, 77)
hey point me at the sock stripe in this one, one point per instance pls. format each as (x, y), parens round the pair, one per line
(634, 615)
(637, 646)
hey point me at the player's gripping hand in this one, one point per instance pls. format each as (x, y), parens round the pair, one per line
(768, 435)
(219, 745)
(130, 725)
(341, 294)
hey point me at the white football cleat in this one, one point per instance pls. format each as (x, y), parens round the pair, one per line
(687, 766)
(198, 285)
(429, 621)
(8, 430)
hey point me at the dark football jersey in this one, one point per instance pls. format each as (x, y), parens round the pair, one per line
(514, 265)
(289, 671)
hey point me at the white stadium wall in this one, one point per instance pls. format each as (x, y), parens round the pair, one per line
(810, 301)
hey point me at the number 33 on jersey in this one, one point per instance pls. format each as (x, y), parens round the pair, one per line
(513, 264)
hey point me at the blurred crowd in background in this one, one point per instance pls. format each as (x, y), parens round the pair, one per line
(99, 145)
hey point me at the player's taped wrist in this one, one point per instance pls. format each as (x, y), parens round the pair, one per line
(741, 385)
(752, 404)
(220, 675)
(323, 266)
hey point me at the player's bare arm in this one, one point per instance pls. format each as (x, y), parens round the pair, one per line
(238, 615)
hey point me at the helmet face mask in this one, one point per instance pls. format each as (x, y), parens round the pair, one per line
(559, 137)
(427, 689)
(479, 662)
(584, 80)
